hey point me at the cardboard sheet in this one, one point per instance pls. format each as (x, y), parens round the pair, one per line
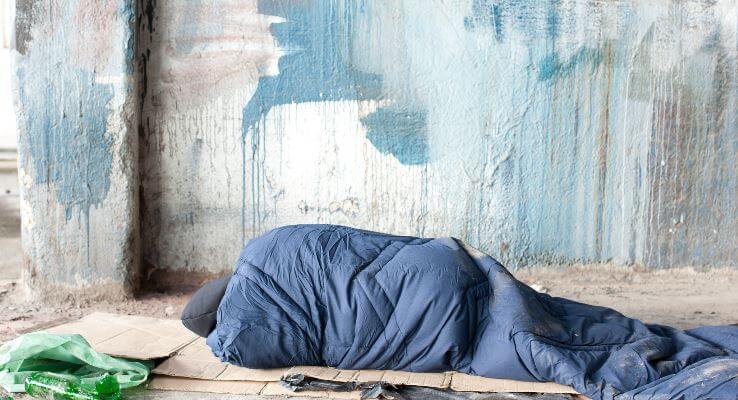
(189, 364)
(140, 338)
(197, 362)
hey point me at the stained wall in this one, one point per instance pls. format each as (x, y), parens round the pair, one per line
(541, 132)
(568, 131)
(75, 89)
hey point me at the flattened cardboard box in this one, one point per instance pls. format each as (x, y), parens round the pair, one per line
(191, 366)
(140, 338)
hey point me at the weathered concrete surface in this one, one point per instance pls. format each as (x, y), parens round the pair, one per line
(8, 131)
(203, 63)
(541, 132)
(75, 102)
(10, 241)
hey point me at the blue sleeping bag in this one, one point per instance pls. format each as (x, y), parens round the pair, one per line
(352, 299)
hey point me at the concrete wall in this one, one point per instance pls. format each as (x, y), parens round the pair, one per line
(541, 132)
(75, 90)
(561, 131)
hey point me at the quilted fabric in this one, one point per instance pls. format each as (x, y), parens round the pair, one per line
(352, 299)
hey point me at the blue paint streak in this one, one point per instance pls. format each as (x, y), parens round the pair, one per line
(65, 120)
(551, 65)
(535, 19)
(552, 19)
(317, 38)
(315, 68)
(486, 12)
(127, 11)
(400, 133)
(317, 64)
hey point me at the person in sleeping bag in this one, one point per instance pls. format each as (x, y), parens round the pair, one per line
(336, 296)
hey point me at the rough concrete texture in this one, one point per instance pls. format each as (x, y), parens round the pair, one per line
(565, 132)
(540, 132)
(8, 131)
(203, 61)
(10, 241)
(74, 94)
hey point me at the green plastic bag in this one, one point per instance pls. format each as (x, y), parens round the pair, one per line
(63, 354)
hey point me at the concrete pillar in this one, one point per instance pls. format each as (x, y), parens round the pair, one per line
(76, 101)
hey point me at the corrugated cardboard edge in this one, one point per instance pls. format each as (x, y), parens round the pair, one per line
(240, 387)
(470, 383)
(196, 361)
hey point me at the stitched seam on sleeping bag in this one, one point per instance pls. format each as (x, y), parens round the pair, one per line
(296, 339)
(480, 301)
(391, 317)
(576, 347)
(363, 280)
(384, 328)
(267, 295)
(379, 317)
(406, 336)
(356, 270)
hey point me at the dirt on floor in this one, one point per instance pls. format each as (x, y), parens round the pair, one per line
(21, 314)
(679, 297)
(683, 298)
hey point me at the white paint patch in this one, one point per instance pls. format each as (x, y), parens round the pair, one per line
(207, 50)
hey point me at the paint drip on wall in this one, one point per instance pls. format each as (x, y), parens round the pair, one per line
(540, 132)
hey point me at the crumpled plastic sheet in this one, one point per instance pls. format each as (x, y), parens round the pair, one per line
(63, 354)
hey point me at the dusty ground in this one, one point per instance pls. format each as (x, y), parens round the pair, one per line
(684, 297)
(21, 315)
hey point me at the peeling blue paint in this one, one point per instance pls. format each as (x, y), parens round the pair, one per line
(65, 121)
(531, 18)
(551, 65)
(485, 12)
(400, 133)
(316, 37)
(577, 131)
(127, 12)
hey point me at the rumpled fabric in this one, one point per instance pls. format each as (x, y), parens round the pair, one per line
(352, 299)
(63, 354)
